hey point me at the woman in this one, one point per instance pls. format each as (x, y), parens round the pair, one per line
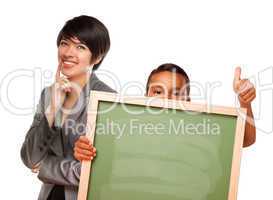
(61, 115)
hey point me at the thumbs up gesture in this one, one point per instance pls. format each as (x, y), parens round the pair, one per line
(244, 88)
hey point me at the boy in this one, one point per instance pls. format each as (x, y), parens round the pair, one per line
(172, 82)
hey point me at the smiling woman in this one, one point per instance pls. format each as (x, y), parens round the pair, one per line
(82, 44)
(88, 38)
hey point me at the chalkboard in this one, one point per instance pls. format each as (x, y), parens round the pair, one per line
(154, 149)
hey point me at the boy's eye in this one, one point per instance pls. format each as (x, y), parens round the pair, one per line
(176, 93)
(157, 92)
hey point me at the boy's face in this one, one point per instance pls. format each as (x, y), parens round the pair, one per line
(168, 85)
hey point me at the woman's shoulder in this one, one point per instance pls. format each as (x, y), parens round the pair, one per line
(96, 84)
(45, 97)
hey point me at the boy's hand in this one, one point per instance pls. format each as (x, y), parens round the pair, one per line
(244, 88)
(83, 149)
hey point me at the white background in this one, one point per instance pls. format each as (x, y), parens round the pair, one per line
(207, 38)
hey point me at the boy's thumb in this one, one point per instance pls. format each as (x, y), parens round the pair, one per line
(237, 74)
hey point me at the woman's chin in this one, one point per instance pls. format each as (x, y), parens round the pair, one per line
(67, 73)
(71, 74)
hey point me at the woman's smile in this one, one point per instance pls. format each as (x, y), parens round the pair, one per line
(68, 63)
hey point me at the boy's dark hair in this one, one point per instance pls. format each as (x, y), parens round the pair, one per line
(91, 32)
(170, 68)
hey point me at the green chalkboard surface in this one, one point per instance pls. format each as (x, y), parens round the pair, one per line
(161, 154)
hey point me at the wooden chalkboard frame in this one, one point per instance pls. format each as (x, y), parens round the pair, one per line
(96, 96)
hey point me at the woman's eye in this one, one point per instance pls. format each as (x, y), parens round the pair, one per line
(63, 43)
(81, 47)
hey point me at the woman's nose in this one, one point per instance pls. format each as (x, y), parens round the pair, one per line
(70, 51)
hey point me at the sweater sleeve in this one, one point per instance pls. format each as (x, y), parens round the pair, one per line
(39, 136)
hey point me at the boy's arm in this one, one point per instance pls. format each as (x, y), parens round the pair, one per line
(250, 129)
(246, 94)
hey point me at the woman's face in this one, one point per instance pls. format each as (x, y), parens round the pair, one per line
(74, 57)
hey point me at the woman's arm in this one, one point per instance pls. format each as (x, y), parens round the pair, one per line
(65, 171)
(42, 132)
(39, 137)
(60, 171)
